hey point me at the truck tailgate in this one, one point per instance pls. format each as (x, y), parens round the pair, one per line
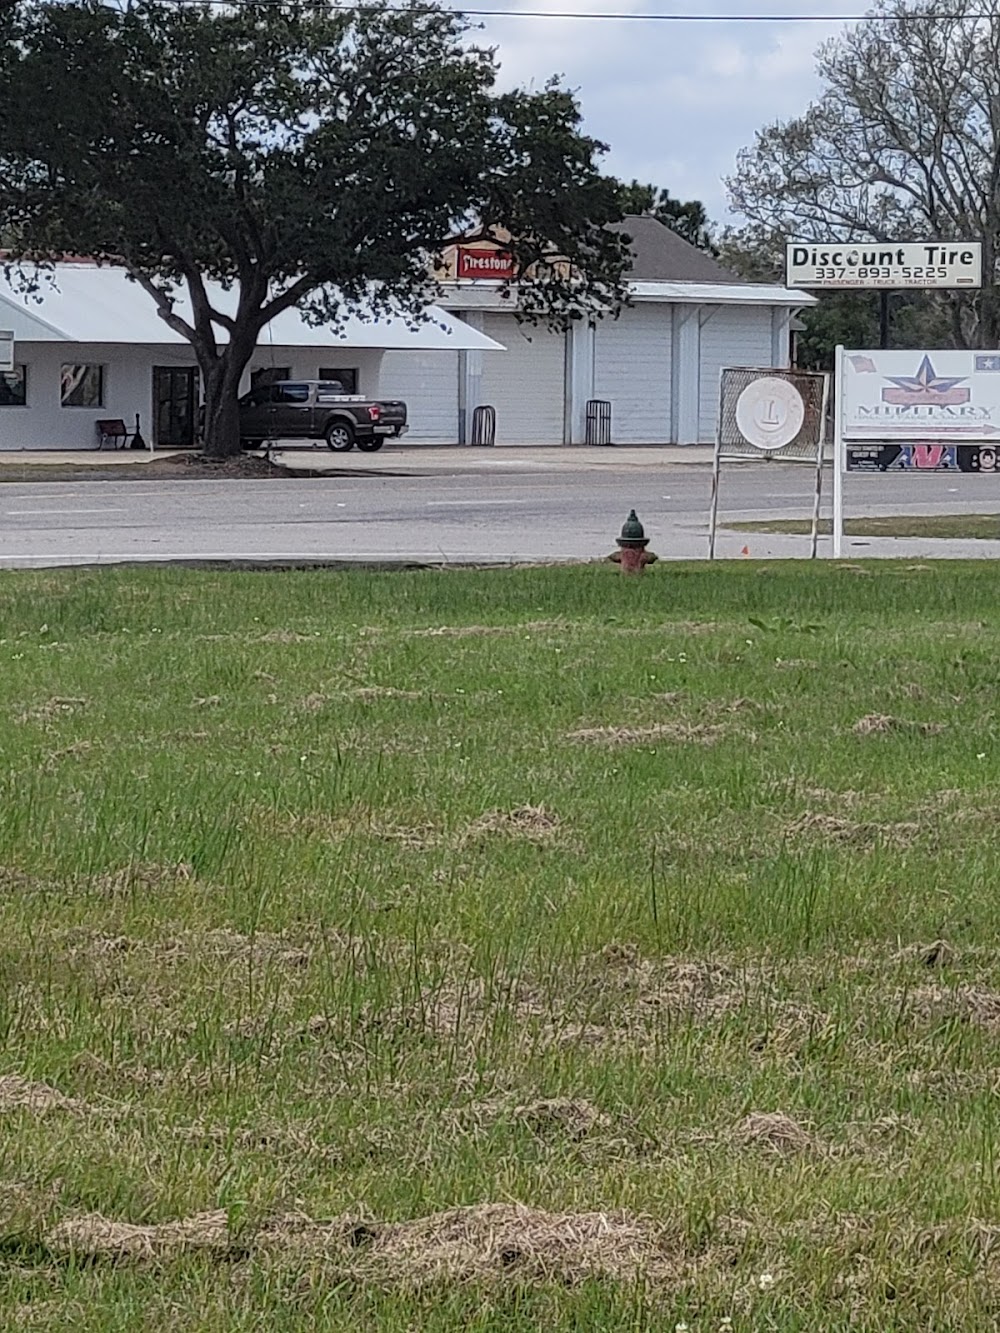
(392, 413)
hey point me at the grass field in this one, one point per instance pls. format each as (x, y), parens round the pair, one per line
(535, 949)
(985, 527)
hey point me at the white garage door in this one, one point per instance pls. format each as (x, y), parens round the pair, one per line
(526, 383)
(632, 372)
(730, 337)
(427, 382)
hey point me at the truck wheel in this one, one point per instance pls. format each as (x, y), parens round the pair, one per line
(339, 436)
(371, 446)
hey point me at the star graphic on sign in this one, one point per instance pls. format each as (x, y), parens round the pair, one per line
(926, 379)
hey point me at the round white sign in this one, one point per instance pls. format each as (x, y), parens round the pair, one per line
(770, 413)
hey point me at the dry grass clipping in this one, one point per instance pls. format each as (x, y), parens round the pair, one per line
(21, 1094)
(284, 636)
(52, 709)
(572, 1118)
(492, 1241)
(371, 693)
(222, 944)
(939, 953)
(480, 631)
(702, 988)
(678, 733)
(777, 1132)
(534, 823)
(848, 833)
(480, 1243)
(413, 838)
(881, 724)
(95, 1236)
(970, 1004)
(144, 876)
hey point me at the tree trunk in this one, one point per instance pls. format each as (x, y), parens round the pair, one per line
(222, 376)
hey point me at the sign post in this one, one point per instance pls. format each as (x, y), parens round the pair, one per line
(838, 454)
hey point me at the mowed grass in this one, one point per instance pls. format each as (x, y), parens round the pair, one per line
(979, 527)
(534, 949)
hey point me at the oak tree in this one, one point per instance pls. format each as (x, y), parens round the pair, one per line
(902, 144)
(297, 153)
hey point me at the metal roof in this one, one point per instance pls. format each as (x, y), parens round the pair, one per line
(89, 303)
(712, 293)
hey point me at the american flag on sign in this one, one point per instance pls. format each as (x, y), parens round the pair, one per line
(864, 365)
(988, 362)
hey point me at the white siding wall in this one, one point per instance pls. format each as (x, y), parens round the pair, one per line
(732, 336)
(128, 389)
(306, 363)
(632, 370)
(128, 386)
(526, 383)
(428, 383)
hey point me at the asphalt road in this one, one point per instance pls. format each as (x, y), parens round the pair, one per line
(518, 509)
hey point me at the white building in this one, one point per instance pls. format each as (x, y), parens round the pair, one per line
(89, 345)
(92, 346)
(657, 364)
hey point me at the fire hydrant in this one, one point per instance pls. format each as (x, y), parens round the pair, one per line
(632, 555)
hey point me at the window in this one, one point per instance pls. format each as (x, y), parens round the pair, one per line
(268, 374)
(14, 387)
(290, 393)
(82, 386)
(348, 378)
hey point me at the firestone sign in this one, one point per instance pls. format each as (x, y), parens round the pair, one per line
(951, 265)
(493, 264)
(946, 397)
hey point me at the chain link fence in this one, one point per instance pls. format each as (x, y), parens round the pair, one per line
(811, 389)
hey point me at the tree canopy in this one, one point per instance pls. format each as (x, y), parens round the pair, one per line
(903, 144)
(300, 154)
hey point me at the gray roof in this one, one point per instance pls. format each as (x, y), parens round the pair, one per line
(660, 255)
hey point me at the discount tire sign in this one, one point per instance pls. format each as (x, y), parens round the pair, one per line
(915, 264)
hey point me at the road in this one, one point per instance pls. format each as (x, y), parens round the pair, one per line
(435, 506)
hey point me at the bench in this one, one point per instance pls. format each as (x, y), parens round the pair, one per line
(113, 430)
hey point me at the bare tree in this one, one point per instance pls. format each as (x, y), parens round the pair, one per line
(903, 144)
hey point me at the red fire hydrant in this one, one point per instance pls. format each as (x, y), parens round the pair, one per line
(632, 555)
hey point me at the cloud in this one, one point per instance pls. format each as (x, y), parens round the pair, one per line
(675, 101)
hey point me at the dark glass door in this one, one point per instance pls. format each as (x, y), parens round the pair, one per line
(175, 404)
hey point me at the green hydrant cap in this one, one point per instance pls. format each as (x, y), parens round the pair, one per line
(633, 533)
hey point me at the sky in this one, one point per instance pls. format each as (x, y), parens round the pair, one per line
(675, 101)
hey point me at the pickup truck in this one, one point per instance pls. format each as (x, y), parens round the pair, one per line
(318, 410)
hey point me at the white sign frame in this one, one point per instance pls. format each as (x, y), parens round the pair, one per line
(948, 396)
(910, 265)
(6, 350)
(771, 451)
(978, 428)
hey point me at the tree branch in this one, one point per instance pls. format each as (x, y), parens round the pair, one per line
(164, 305)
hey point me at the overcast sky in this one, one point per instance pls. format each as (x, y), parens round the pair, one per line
(675, 101)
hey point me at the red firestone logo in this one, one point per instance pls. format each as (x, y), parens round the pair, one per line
(495, 264)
